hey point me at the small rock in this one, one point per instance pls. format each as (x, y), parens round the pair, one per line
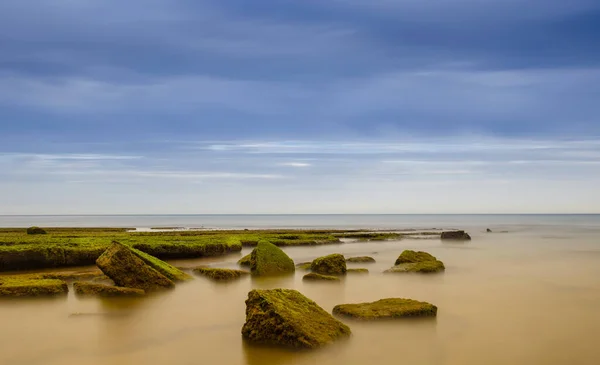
(304, 265)
(267, 259)
(357, 271)
(35, 230)
(217, 274)
(456, 235)
(101, 290)
(334, 264)
(488, 230)
(363, 259)
(390, 308)
(416, 261)
(315, 277)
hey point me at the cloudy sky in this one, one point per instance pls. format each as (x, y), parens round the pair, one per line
(277, 106)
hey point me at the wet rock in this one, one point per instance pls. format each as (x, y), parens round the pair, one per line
(101, 290)
(26, 286)
(456, 235)
(334, 264)
(361, 259)
(410, 256)
(304, 265)
(416, 261)
(126, 269)
(217, 274)
(245, 261)
(357, 271)
(390, 308)
(488, 230)
(35, 230)
(286, 318)
(267, 259)
(318, 277)
(171, 272)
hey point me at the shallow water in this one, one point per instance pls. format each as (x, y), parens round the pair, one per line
(529, 296)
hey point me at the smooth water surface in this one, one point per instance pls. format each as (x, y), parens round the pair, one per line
(528, 296)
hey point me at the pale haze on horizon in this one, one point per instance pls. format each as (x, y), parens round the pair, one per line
(208, 107)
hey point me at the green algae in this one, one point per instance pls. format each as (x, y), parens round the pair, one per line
(410, 256)
(245, 261)
(101, 290)
(267, 259)
(162, 267)
(319, 277)
(286, 318)
(360, 259)
(334, 264)
(389, 308)
(357, 271)
(218, 274)
(418, 267)
(30, 286)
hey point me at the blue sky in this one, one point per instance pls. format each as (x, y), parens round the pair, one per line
(329, 106)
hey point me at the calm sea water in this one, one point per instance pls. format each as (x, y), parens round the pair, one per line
(387, 221)
(529, 293)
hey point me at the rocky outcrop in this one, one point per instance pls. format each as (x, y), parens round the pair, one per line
(217, 274)
(318, 277)
(390, 308)
(126, 269)
(334, 264)
(456, 236)
(101, 290)
(286, 318)
(267, 259)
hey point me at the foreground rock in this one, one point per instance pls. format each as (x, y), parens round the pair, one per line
(25, 286)
(285, 317)
(334, 264)
(416, 261)
(318, 277)
(171, 272)
(220, 274)
(126, 269)
(456, 235)
(390, 308)
(101, 290)
(267, 259)
(35, 230)
(360, 259)
(357, 271)
(245, 261)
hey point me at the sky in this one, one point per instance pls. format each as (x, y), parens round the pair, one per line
(278, 106)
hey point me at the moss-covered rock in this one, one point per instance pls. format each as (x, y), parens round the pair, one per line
(318, 277)
(334, 264)
(267, 259)
(126, 269)
(217, 274)
(101, 290)
(285, 317)
(410, 256)
(245, 261)
(360, 259)
(456, 235)
(36, 230)
(304, 265)
(357, 271)
(162, 267)
(390, 308)
(29, 286)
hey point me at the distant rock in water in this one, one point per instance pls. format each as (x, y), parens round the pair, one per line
(35, 230)
(488, 230)
(416, 261)
(390, 308)
(267, 259)
(357, 271)
(361, 259)
(318, 277)
(217, 274)
(304, 266)
(286, 318)
(456, 235)
(101, 290)
(334, 264)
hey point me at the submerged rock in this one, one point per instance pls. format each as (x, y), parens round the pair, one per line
(357, 271)
(126, 269)
(245, 261)
(268, 259)
(456, 235)
(217, 274)
(35, 230)
(285, 317)
(416, 261)
(318, 277)
(304, 265)
(364, 259)
(101, 290)
(26, 286)
(390, 308)
(334, 264)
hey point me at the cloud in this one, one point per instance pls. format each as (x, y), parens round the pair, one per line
(296, 164)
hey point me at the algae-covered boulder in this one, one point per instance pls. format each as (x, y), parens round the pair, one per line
(416, 261)
(30, 286)
(456, 235)
(217, 274)
(100, 290)
(319, 277)
(162, 267)
(360, 259)
(390, 308)
(267, 259)
(126, 269)
(357, 271)
(334, 264)
(285, 317)
(410, 256)
(35, 230)
(245, 261)
(304, 265)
